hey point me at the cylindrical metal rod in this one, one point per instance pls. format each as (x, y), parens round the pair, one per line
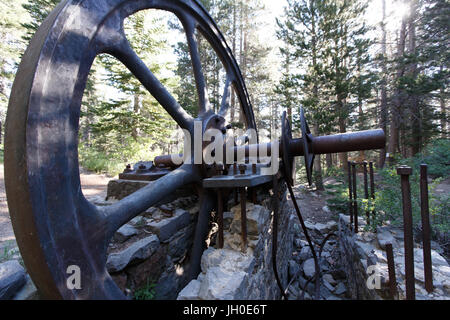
(243, 220)
(404, 173)
(350, 141)
(372, 186)
(343, 142)
(355, 203)
(366, 189)
(372, 181)
(220, 216)
(350, 193)
(391, 270)
(235, 191)
(166, 160)
(426, 229)
(253, 194)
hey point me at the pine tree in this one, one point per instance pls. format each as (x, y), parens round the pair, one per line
(134, 112)
(38, 10)
(11, 48)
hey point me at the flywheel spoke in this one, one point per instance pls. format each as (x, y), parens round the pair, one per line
(197, 66)
(134, 204)
(131, 60)
(225, 105)
(207, 204)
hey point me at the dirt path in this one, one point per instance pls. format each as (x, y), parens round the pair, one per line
(93, 185)
(312, 203)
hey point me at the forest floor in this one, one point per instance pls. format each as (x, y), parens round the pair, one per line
(312, 202)
(93, 185)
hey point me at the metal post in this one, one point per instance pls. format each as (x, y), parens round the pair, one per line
(372, 185)
(404, 173)
(355, 203)
(220, 216)
(235, 191)
(366, 189)
(350, 193)
(391, 270)
(426, 229)
(253, 191)
(243, 220)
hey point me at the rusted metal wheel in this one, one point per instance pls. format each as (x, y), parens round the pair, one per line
(307, 141)
(288, 157)
(288, 149)
(54, 224)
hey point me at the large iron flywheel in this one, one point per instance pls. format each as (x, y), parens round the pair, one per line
(54, 224)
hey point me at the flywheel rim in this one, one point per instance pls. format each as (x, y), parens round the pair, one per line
(41, 155)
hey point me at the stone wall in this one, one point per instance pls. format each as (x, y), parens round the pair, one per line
(359, 251)
(149, 252)
(229, 274)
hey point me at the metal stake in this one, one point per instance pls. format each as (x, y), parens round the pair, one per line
(426, 229)
(404, 173)
(235, 192)
(220, 216)
(372, 185)
(253, 192)
(355, 203)
(350, 193)
(391, 270)
(366, 189)
(243, 220)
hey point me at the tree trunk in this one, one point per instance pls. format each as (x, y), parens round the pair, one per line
(234, 36)
(329, 160)
(241, 49)
(343, 156)
(443, 113)
(134, 132)
(383, 102)
(416, 119)
(396, 106)
(317, 167)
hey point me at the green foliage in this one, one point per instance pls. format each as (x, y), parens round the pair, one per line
(38, 10)
(338, 202)
(388, 201)
(8, 251)
(147, 292)
(437, 156)
(113, 157)
(335, 172)
(387, 205)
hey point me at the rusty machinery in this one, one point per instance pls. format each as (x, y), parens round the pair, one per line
(54, 224)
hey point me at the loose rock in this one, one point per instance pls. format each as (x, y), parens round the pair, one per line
(12, 278)
(125, 232)
(309, 268)
(139, 250)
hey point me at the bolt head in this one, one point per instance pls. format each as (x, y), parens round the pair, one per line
(404, 170)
